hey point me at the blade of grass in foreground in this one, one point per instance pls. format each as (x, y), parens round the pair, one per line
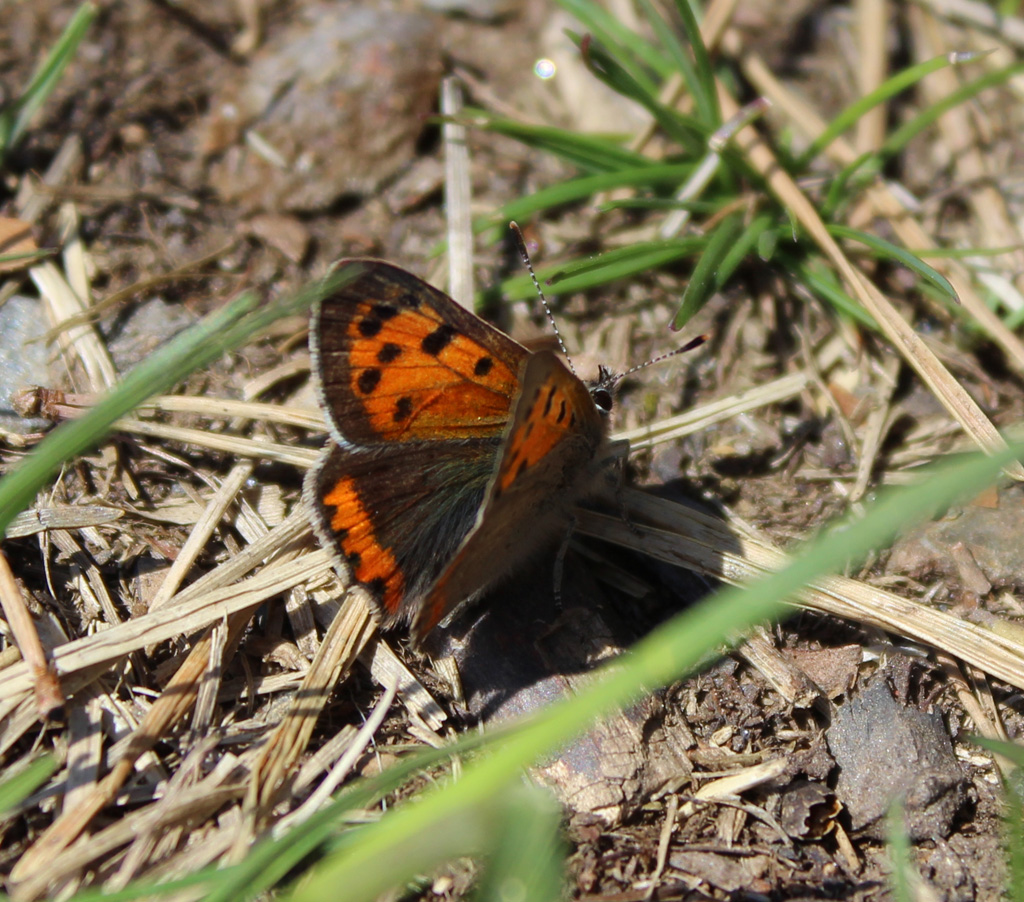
(527, 861)
(194, 348)
(901, 879)
(1013, 813)
(391, 851)
(18, 786)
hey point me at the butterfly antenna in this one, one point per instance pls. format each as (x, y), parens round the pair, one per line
(613, 379)
(525, 254)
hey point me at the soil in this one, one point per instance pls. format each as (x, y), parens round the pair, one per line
(215, 156)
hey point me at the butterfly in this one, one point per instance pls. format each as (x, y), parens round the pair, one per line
(454, 452)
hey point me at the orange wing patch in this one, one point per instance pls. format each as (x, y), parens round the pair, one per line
(417, 375)
(372, 564)
(400, 361)
(553, 411)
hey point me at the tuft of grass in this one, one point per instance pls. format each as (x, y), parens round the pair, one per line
(639, 67)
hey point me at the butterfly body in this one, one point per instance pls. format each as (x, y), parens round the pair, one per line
(456, 451)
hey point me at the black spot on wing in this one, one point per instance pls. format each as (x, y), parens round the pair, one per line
(389, 353)
(438, 340)
(371, 324)
(403, 409)
(548, 402)
(483, 366)
(368, 380)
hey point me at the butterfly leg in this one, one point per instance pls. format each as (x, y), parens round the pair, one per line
(616, 455)
(563, 549)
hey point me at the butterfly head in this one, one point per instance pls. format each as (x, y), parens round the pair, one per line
(602, 389)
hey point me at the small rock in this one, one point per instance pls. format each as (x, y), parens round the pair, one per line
(729, 872)
(808, 810)
(524, 651)
(886, 751)
(482, 10)
(148, 326)
(975, 545)
(284, 233)
(23, 360)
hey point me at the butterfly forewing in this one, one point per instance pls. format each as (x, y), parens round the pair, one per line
(549, 459)
(400, 361)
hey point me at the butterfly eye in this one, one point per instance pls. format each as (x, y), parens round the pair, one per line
(602, 399)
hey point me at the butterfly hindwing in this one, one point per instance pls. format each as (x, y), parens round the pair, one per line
(399, 361)
(397, 516)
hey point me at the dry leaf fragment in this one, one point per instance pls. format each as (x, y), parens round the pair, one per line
(16, 244)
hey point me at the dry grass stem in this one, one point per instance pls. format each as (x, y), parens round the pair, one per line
(229, 444)
(871, 16)
(458, 195)
(45, 682)
(349, 632)
(705, 415)
(683, 536)
(200, 535)
(179, 618)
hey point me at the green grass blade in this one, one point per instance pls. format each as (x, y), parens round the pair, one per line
(899, 854)
(26, 257)
(755, 235)
(591, 153)
(621, 263)
(891, 251)
(15, 118)
(1013, 839)
(899, 138)
(650, 176)
(1010, 750)
(684, 130)
(962, 253)
(681, 60)
(633, 51)
(665, 655)
(273, 859)
(705, 95)
(704, 280)
(822, 281)
(1013, 814)
(886, 91)
(16, 787)
(526, 862)
(196, 347)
